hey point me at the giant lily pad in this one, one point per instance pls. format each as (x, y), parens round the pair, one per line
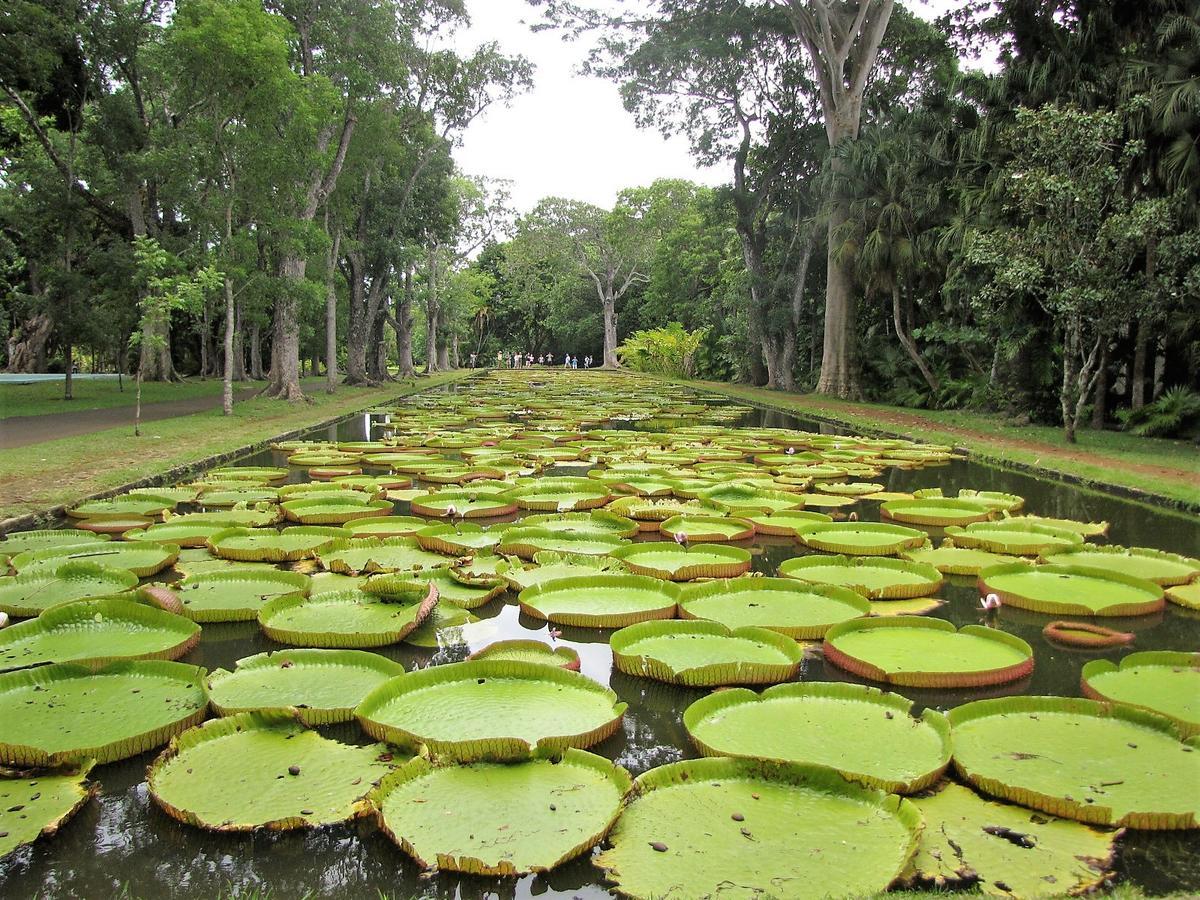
(936, 511)
(387, 526)
(1185, 595)
(236, 594)
(354, 556)
(20, 541)
(527, 542)
(529, 651)
(593, 522)
(64, 712)
(321, 686)
(501, 818)
(1166, 569)
(705, 654)
(952, 560)
(263, 545)
(34, 805)
(1105, 764)
(450, 589)
(998, 500)
(1087, 529)
(707, 528)
(192, 533)
(491, 710)
(1014, 537)
(95, 632)
(746, 500)
(921, 652)
(1161, 681)
(600, 600)
(710, 827)
(148, 505)
(662, 559)
(549, 566)
(31, 593)
(442, 628)
(459, 540)
(463, 505)
(800, 611)
(861, 538)
(1011, 851)
(787, 522)
(264, 770)
(873, 577)
(562, 494)
(1071, 590)
(143, 559)
(866, 735)
(319, 510)
(344, 619)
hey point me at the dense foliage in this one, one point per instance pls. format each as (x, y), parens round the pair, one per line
(897, 224)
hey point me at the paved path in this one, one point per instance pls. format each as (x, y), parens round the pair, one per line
(21, 431)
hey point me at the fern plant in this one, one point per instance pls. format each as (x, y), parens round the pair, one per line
(1171, 415)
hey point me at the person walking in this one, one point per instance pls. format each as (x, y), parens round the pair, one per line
(575, 362)
(499, 359)
(549, 359)
(474, 357)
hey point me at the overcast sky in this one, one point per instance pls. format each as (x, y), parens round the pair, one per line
(569, 136)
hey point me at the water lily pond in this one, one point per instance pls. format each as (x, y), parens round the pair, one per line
(579, 634)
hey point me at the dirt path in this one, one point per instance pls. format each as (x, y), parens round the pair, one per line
(900, 421)
(21, 431)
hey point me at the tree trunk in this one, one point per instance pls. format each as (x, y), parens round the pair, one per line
(443, 352)
(155, 363)
(331, 365)
(68, 372)
(27, 344)
(1137, 382)
(204, 334)
(432, 313)
(402, 324)
(610, 334)
(839, 375)
(256, 366)
(455, 363)
(909, 343)
(1100, 402)
(227, 378)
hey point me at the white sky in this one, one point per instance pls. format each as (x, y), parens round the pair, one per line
(569, 136)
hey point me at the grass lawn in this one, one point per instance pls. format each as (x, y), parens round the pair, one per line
(42, 476)
(1166, 468)
(44, 398)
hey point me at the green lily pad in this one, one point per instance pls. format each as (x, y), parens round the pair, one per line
(936, 511)
(128, 505)
(745, 500)
(592, 522)
(1071, 590)
(95, 632)
(1166, 569)
(264, 770)
(462, 539)
(787, 522)
(951, 560)
(800, 611)
(1185, 595)
(355, 556)
(562, 494)
(342, 619)
(268, 545)
(31, 593)
(20, 541)
(915, 651)
(318, 686)
(663, 559)
(236, 594)
(1161, 681)
(875, 577)
(386, 526)
(463, 505)
(707, 528)
(491, 710)
(319, 510)
(705, 654)
(34, 805)
(230, 498)
(1013, 537)
(997, 500)
(190, 534)
(710, 827)
(861, 538)
(1105, 764)
(917, 606)
(143, 558)
(1087, 529)
(600, 600)
(1013, 852)
(868, 736)
(63, 713)
(442, 628)
(530, 651)
(450, 589)
(258, 517)
(550, 566)
(260, 473)
(526, 542)
(501, 818)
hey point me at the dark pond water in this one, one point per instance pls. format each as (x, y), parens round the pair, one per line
(123, 845)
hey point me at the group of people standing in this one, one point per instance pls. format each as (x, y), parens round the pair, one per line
(527, 360)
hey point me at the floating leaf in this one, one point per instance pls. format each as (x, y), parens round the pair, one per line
(529, 651)
(662, 559)
(263, 770)
(1105, 764)
(705, 654)
(262, 545)
(861, 538)
(953, 560)
(143, 559)
(875, 577)
(1161, 681)
(236, 594)
(800, 611)
(31, 593)
(1014, 537)
(355, 556)
(936, 511)
(916, 651)
(1166, 569)
(1071, 590)
(342, 619)
(37, 804)
(802, 830)
(319, 686)
(64, 712)
(491, 710)
(600, 600)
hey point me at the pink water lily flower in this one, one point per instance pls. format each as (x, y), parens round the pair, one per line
(990, 602)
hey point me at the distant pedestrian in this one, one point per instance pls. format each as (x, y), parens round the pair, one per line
(529, 359)
(567, 361)
(549, 359)
(499, 359)
(542, 359)
(575, 362)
